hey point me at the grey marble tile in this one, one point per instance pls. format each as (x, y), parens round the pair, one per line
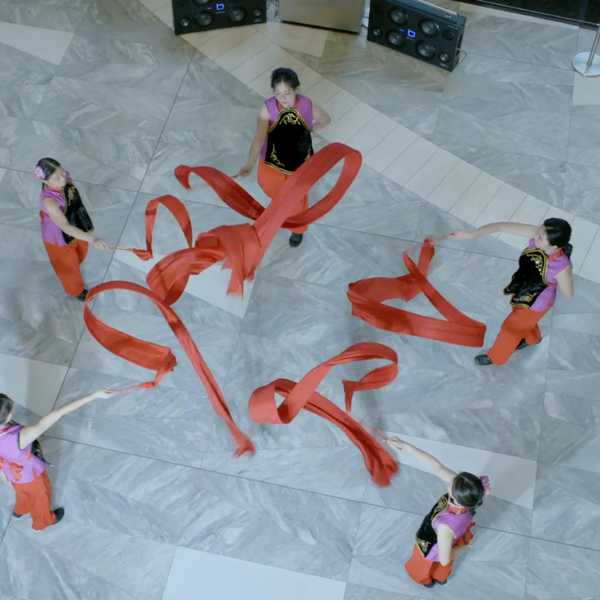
(415, 491)
(535, 43)
(580, 384)
(11, 132)
(385, 541)
(163, 424)
(12, 58)
(566, 506)
(338, 472)
(563, 443)
(21, 92)
(581, 200)
(582, 412)
(83, 562)
(572, 351)
(59, 16)
(93, 157)
(360, 592)
(559, 571)
(124, 111)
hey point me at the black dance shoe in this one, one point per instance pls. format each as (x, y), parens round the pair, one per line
(295, 240)
(59, 513)
(483, 360)
(428, 584)
(82, 296)
(440, 582)
(524, 344)
(16, 516)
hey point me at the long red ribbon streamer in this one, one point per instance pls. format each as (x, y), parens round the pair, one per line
(368, 295)
(263, 407)
(242, 247)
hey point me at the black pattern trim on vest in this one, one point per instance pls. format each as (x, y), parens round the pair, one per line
(426, 537)
(530, 280)
(75, 212)
(289, 143)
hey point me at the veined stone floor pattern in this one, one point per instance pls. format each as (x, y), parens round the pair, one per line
(157, 507)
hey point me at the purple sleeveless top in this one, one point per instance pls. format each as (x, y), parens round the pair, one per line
(459, 525)
(51, 232)
(304, 107)
(555, 266)
(25, 463)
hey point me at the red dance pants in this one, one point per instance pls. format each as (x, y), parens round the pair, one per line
(66, 261)
(271, 181)
(35, 498)
(521, 324)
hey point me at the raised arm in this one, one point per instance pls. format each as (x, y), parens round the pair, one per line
(522, 229)
(320, 118)
(32, 432)
(56, 214)
(425, 459)
(262, 129)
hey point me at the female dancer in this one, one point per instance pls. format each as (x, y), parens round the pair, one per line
(283, 139)
(447, 527)
(544, 266)
(22, 463)
(66, 226)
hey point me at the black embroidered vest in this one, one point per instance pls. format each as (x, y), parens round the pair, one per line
(530, 279)
(75, 211)
(426, 537)
(289, 143)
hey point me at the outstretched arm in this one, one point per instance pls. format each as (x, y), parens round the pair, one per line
(262, 130)
(424, 458)
(521, 229)
(32, 432)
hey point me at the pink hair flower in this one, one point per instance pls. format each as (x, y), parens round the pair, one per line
(487, 488)
(38, 173)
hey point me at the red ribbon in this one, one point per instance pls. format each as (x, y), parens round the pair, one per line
(242, 247)
(368, 295)
(263, 406)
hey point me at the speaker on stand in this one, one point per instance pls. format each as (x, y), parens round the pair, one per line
(418, 29)
(190, 16)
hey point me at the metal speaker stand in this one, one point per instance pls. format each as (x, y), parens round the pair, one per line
(588, 63)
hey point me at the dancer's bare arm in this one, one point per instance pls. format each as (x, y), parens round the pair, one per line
(424, 458)
(521, 229)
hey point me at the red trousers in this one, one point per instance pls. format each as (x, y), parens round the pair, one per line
(271, 180)
(522, 323)
(66, 261)
(35, 498)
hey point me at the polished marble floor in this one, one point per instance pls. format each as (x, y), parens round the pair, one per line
(157, 506)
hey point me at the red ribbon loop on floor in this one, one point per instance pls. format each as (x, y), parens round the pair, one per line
(303, 395)
(368, 295)
(242, 247)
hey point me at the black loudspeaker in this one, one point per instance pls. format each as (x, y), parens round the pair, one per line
(202, 15)
(419, 29)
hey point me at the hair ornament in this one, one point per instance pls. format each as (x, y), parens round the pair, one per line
(38, 173)
(487, 488)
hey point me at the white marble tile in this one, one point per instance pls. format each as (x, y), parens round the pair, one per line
(153, 4)
(242, 52)
(457, 182)
(31, 383)
(558, 213)
(472, 203)
(210, 286)
(321, 92)
(196, 574)
(357, 118)
(390, 148)
(165, 14)
(369, 136)
(586, 91)
(532, 211)
(2, 172)
(226, 40)
(307, 40)
(338, 105)
(308, 78)
(583, 235)
(591, 265)
(410, 161)
(266, 59)
(502, 207)
(47, 44)
(512, 478)
(431, 174)
(261, 84)
(199, 38)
